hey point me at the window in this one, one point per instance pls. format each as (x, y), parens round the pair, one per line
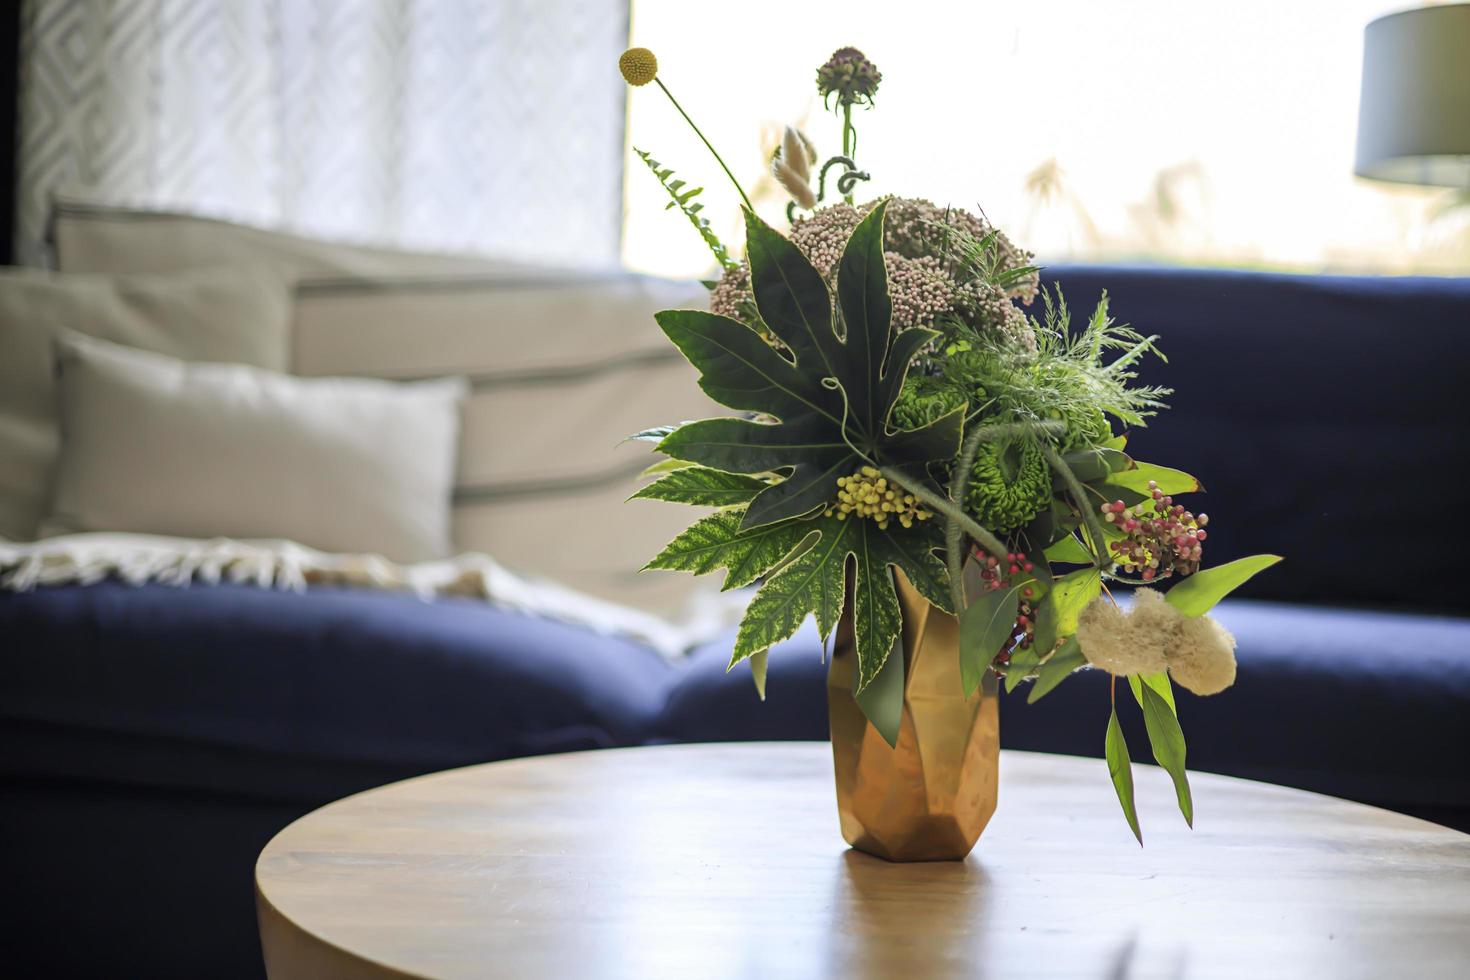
(1146, 131)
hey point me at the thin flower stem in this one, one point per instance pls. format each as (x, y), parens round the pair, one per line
(1079, 497)
(849, 140)
(718, 159)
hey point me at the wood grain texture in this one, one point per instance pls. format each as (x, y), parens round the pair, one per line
(726, 861)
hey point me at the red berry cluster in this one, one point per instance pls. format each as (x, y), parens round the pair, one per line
(1160, 537)
(994, 574)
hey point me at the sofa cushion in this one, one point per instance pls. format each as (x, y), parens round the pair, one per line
(1307, 405)
(250, 690)
(707, 703)
(1366, 705)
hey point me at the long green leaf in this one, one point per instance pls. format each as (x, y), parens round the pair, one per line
(1198, 594)
(1067, 659)
(758, 663)
(1069, 551)
(1071, 594)
(985, 626)
(882, 699)
(1167, 740)
(1170, 481)
(1159, 682)
(702, 487)
(1120, 770)
(1023, 662)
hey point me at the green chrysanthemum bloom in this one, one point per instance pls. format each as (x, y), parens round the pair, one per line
(922, 401)
(1009, 484)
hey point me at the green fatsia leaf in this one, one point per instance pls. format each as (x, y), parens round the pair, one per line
(912, 550)
(877, 618)
(702, 487)
(867, 313)
(792, 298)
(744, 446)
(741, 370)
(809, 486)
(813, 582)
(761, 550)
(810, 583)
(717, 541)
(832, 398)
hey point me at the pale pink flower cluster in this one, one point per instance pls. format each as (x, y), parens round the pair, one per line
(920, 250)
(1153, 637)
(731, 295)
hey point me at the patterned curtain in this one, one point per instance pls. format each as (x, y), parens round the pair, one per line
(492, 126)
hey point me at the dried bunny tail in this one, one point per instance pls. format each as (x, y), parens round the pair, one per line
(797, 153)
(1202, 656)
(798, 188)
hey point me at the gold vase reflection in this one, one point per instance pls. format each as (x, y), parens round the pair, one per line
(929, 797)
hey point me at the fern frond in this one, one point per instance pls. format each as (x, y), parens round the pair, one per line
(682, 196)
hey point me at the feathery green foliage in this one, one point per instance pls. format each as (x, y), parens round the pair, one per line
(684, 200)
(1069, 378)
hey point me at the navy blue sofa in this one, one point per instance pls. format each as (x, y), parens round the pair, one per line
(155, 738)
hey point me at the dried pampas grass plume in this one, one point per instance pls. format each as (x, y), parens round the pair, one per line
(793, 168)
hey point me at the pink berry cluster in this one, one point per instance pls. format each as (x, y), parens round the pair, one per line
(1160, 537)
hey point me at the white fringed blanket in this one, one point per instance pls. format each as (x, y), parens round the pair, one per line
(140, 558)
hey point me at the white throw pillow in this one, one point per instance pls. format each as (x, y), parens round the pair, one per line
(216, 315)
(156, 445)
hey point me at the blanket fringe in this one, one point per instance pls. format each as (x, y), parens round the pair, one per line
(137, 559)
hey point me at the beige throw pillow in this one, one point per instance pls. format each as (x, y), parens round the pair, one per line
(216, 315)
(152, 444)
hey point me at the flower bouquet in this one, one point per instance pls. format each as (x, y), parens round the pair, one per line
(934, 465)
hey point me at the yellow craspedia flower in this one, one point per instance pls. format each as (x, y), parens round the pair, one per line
(638, 65)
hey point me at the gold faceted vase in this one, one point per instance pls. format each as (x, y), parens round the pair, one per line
(929, 797)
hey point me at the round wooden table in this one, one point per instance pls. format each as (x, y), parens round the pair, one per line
(726, 861)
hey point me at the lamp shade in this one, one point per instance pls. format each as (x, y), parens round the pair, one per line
(1414, 116)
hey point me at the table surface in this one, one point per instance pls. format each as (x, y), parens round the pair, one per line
(726, 861)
